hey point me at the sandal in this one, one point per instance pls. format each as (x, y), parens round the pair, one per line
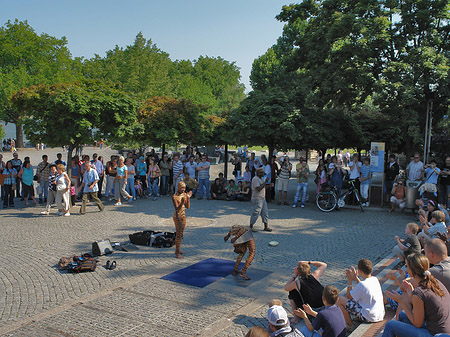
(113, 265)
(108, 264)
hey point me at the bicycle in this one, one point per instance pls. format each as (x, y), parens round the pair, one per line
(327, 199)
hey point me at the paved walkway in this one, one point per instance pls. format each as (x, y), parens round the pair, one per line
(36, 299)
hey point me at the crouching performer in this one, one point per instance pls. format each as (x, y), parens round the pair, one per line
(243, 240)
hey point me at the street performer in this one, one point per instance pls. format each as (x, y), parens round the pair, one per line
(243, 240)
(181, 201)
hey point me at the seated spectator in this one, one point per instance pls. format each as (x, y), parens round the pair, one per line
(437, 253)
(217, 190)
(139, 189)
(245, 191)
(365, 301)
(223, 181)
(279, 323)
(410, 245)
(247, 174)
(426, 308)
(426, 212)
(398, 196)
(304, 287)
(232, 190)
(329, 322)
(430, 229)
(191, 184)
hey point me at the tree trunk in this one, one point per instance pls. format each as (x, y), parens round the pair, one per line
(307, 155)
(225, 159)
(163, 150)
(270, 153)
(324, 153)
(69, 161)
(19, 135)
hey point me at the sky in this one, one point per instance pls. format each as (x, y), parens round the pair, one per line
(238, 31)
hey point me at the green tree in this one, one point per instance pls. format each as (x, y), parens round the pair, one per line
(66, 114)
(27, 58)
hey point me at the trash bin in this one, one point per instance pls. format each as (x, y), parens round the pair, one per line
(412, 192)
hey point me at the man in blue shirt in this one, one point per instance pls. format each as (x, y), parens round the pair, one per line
(90, 187)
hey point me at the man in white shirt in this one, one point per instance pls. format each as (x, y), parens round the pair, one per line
(365, 301)
(355, 168)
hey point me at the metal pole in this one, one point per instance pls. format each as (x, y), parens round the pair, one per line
(425, 146)
(430, 128)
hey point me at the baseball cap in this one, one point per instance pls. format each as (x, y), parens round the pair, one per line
(276, 315)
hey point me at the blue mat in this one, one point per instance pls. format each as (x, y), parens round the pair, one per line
(202, 273)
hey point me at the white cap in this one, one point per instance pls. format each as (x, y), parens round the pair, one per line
(276, 315)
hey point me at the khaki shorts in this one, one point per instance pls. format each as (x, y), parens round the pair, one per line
(282, 185)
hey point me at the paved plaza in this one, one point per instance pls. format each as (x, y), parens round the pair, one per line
(36, 299)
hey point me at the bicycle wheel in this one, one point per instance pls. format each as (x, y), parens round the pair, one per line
(359, 200)
(326, 201)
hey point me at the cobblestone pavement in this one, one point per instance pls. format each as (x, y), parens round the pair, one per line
(36, 299)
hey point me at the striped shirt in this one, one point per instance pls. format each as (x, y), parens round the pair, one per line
(177, 168)
(9, 180)
(415, 170)
(365, 171)
(203, 174)
(285, 170)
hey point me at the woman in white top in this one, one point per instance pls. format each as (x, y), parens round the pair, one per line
(120, 182)
(62, 191)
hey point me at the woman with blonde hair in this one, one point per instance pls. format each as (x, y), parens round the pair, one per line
(62, 190)
(426, 309)
(120, 182)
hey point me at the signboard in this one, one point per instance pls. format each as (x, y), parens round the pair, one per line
(377, 157)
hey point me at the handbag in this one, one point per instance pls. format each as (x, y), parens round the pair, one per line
(35, 177)
(39, 189)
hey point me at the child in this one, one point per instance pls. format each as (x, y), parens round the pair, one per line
(365, 301)
(322, 176)
(431, 229)
(275, 302)
(330, 321)
(72, 195)
(365, 176)
(138, 188)
(408, 246)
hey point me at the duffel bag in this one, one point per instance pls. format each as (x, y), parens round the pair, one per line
(141, 238)
(165, 240)
(82, 264)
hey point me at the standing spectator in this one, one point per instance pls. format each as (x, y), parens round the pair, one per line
(251, 164)
(120, 182)
(43, 173)
(337, 174)
(355, 169)
(259, 200)
(302, 183)
(365, 178)
(321, 175)
(111, 170)
(17, 165)
(177, 167)
(273, 174)
(414, 170)
(267, 174)
(365, 302)
(59, 160)
(437, 253)
(391, 171)
(203, 178)
(9, 175)
(130, 178)
(445, 183)
(89, 187)
(237, 162)
(75, 174)
(347, 158)
(2, 167)
(426, 308)
(191, 167)
(153, 178)
(141, 169)
(283, 178)
(398, 196)
(98, 165)
(51, 183)
(26, 174)
(432, 173)
(62, 190)
(164, 166)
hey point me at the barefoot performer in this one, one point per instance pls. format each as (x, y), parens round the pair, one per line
(243, 240)
(181, 201)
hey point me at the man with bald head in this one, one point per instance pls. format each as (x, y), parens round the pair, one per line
(259, 200)
(436, 252)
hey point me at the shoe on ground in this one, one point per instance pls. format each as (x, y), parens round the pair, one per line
(267, 229)
(45, 212)
(294, 206)
(67, 214)
(118, 204)
(155, 198)
(302, 206)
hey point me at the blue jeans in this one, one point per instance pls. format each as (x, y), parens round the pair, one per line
(203, 183)
(130, 187)
(303, 189)
(44, 185)
(305, 331)
(153, 186)
(164, 184)
(404, 328)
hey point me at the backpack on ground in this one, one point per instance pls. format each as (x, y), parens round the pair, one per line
(82, 264)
